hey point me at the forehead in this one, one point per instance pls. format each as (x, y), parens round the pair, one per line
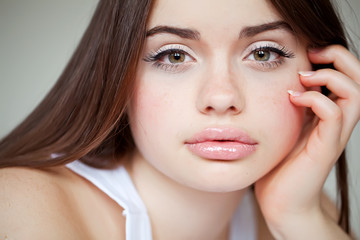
(212, 13)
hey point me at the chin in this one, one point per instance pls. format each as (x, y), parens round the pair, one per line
(221, 187)
(218, 180)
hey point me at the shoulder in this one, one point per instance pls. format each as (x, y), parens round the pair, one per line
(29, 198)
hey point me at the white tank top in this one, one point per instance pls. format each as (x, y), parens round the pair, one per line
(117, 184)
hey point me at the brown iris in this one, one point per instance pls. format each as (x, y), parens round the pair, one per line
(262, 55)
(176, 57)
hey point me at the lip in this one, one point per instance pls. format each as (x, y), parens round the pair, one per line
(221, 144)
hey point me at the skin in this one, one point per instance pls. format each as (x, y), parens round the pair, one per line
(220, 77)
(239, 92)
(219, 85)
(55, 204)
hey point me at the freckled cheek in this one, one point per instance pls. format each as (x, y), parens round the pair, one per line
(278, 115)
(150, 109)
(281, 109)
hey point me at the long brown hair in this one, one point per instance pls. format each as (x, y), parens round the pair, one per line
(320, 25)
(84, 115)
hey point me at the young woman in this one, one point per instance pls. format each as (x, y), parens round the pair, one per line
(217, 120)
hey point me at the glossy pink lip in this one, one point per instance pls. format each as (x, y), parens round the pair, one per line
(221, 144)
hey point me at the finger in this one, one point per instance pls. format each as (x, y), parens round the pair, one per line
(338, 83)
(341, 57)
(328, 130)
(343, 87)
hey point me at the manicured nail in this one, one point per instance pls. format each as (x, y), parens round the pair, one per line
(306, 73)
(294, 93)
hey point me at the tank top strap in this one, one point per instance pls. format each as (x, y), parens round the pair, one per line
(117, 184)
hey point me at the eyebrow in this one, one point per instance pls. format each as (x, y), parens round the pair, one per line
(254, 30)
(181, 32)
(195, 35)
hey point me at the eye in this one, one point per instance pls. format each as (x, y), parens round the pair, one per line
(268, 55)
(265, 54)
(171, 58)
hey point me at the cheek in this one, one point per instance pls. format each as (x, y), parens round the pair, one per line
(276, 115)
(151, 114)
(280, 114)
(150, 105)
(147, 108)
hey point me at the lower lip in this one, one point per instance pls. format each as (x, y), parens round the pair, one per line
(227, 150)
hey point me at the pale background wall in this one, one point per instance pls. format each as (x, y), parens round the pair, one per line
(37, 38)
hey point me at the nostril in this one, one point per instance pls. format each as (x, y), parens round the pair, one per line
(232, 108)
(208, 109)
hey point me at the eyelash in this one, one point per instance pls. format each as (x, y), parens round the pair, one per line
(155, 57)
(281, 51)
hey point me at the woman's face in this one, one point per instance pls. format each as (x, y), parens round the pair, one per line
(211, 109)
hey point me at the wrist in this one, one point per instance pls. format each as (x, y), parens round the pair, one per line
(310, 225)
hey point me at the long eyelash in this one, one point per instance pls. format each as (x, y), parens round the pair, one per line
(273, 64)
(156, 55)
(283, 52)
(153, 57)
(165, 67)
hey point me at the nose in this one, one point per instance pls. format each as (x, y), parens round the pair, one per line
(220, 94)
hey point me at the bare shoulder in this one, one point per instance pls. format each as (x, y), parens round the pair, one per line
(33, 205)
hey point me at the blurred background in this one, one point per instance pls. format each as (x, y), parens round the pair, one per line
(37, 38)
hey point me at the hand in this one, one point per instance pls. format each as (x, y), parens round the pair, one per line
(291, 192)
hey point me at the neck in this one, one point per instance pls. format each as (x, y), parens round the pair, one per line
(180, 212)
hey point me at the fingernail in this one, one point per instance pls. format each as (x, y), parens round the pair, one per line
(306, 73)
(294, 93)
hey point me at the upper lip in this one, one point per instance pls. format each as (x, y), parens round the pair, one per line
(221, 134)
